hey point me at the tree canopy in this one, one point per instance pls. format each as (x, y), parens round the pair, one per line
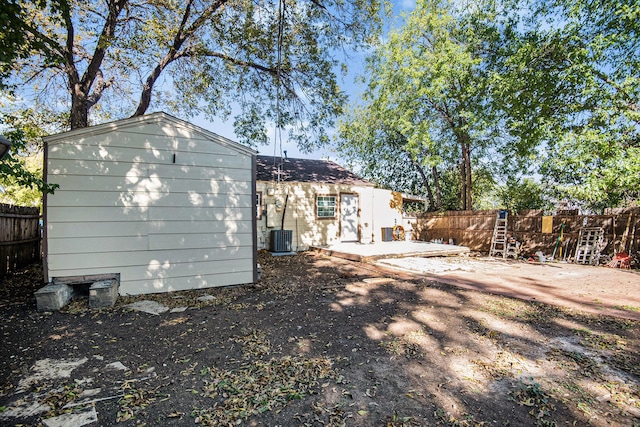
(21, 180)
(571, 88)
(266, 61)
(462, 101)
(426, 100)
(547, 89)
(120, 57)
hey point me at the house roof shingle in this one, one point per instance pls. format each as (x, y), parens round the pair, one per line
(306, 170)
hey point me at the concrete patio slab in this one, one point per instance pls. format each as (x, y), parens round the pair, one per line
(363, 252)
(596, 290)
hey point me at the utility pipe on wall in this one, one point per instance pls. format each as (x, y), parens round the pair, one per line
(284, 211)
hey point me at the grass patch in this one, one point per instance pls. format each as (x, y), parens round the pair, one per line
(576, 362)
(497, 369)
(627, 308)
(398, 421)
(627, 362)
(581, 398)
(403, 347)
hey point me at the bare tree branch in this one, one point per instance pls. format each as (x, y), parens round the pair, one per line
(181, 36)
(98, 89)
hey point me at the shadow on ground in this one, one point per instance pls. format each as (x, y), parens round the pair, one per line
(319, 341)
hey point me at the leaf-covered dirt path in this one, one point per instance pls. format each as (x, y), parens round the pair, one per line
(319, 342)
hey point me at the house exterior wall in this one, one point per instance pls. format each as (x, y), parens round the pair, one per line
(159, 202)
(375, 212)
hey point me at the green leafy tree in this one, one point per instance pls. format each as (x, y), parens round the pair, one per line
(569, 82)
(522, 193)
(384, 155)
(86, 62)
(14, 191)
(426, 99)
(21, 180)
(121, 57)
(547, 88)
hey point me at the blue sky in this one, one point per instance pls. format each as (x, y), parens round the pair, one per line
(348, 83)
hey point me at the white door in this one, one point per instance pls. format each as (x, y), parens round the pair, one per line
(349, 217)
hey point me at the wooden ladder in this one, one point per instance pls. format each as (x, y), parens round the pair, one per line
(589, 245)
(499, 239)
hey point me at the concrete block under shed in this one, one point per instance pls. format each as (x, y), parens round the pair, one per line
(53, 297)
(103, 293)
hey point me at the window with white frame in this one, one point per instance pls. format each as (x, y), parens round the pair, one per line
(326, 206)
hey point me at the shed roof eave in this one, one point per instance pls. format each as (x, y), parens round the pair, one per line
(350, 184)
(148, 118)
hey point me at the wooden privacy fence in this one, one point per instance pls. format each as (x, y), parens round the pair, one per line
(20, 237)
(475, 229)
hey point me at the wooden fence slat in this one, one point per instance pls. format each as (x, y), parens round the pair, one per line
(475, 229)
(20, 237)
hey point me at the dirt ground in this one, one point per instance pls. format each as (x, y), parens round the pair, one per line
(596, 290)
(324, 342)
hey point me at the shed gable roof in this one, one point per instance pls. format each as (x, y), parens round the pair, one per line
(148, 118)
(306, 170)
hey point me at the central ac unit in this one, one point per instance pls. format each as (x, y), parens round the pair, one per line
(281, 240)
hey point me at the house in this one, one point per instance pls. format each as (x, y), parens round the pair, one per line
(321, 203)
(161, 203)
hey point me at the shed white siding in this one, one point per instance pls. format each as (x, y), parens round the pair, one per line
(165, 204)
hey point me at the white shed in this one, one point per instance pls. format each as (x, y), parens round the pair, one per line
(162, 203)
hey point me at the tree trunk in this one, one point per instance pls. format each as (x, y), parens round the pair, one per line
(436, 185)
(80, 88)
(465, 169)
(423, 175)
(79, 111)
(432, 204)
(467, 185)
(463, 185)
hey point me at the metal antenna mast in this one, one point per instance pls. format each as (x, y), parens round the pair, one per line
(278, 130)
